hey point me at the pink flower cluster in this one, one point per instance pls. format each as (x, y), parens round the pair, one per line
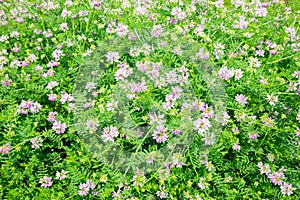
(50, 72)
(160, 134)
(202, 183)
(172, 97)
(202, 125)
(36, 142)
(236, 146)
(96, 3)
(52, 117)
(202, 54)
(138, 87)
(57, 53)
(291, 31)
(90, 86)
(29, 105)
(139, 178)
(65, 97)
(151, 69)
(225, 118)
(131, 88)
(178, 13)
(51, 85)
(253, 135)
(156, 119)
(109, 133)
(254, 62)
(156, 31)
(123, 72)
(218, 50)
(268, 121)
(52, 96)
(293, 85)
(4, 149)
(120, 29)
(241, 99)
(271, 46)
(46, 181)
(264, 168)
(84, 188)
(135, 51)
(261, 12)
(241, 24)
(287, 189)
(6, 82)
(162, 194)
(177, 161)
(112, 57)
(61, 175)
(277, 178)
(59, 127)
(52, 63)
(92, 125)
(165, 172)
(160, 131)
(226, 74)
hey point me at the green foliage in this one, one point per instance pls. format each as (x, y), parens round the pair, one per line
(229, 174)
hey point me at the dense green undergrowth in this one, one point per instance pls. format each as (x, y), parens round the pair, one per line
(253, 48)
